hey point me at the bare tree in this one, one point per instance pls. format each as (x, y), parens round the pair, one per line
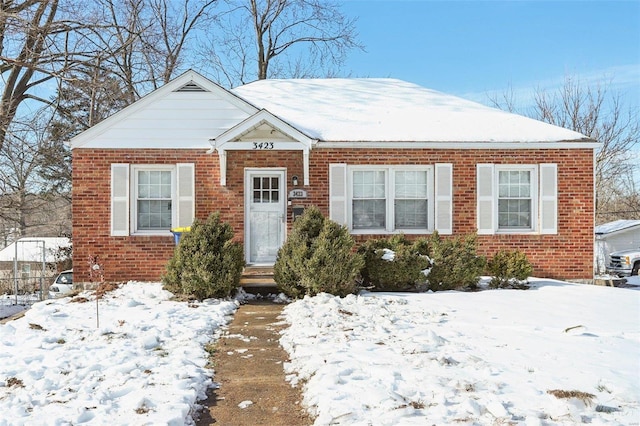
(259, 39)
(27, 198)
(176, 25)
(67, 64)
(86, 97)
(601, 115)
(144, 41)
(25, 27)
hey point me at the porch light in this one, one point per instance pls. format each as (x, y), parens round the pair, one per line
(294, 180)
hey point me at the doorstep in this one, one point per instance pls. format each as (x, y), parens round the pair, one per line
(258, 280)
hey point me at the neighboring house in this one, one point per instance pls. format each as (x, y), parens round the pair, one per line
(615, 236)
(381, 156)
(29, 256)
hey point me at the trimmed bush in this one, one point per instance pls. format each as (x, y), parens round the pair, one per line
(317, 257)
(509, 269)
(332, 267)
(401, 272)
(455, 264)
(206, 263)
(296, 251)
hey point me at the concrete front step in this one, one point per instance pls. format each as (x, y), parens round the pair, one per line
(258, 280)
(257, 270)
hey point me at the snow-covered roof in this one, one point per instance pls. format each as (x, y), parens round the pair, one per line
(382, 109)
(616, 226)
(30, 249)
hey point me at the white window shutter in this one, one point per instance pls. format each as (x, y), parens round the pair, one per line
(548, 198)
(338, 193)
(485, 192)
(119, 200)
(444, 198)
(185, 194)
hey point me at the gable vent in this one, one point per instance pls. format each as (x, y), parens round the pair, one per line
(191, 87)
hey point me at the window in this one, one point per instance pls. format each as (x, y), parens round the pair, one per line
(265, 189)
(391, 199)
(514, 199)
(151, 199)
(517, 198)
(411, 200)
(26, 271)
(369, 201)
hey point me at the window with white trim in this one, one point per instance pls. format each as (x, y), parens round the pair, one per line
(369, 203)
(411, 204)
(390, 199)
(153, 205)
(151, 198)
(517, 198)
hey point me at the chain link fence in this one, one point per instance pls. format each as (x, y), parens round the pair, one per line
(23, 291)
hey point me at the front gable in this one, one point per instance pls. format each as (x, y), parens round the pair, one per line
(262, 131)
(184, 113)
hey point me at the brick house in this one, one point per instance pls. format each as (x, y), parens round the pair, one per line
(381, 156)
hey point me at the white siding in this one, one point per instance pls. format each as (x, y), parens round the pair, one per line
(616, 241)
(179, 120)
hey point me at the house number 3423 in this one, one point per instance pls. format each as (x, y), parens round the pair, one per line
(263, 145)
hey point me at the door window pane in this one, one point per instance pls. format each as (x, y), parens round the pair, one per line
(266, 189)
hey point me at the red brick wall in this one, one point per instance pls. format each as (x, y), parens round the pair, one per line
(144, 258)
(569, 254)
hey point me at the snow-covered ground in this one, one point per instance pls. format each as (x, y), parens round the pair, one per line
(481, 358)
(437, 358)
(144, 364)
(10, 304)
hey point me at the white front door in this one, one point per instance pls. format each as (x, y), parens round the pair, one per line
(265, 214)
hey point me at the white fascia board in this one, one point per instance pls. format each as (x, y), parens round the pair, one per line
(460, 145)
(187, 77)
(630, 228)
(262, 116)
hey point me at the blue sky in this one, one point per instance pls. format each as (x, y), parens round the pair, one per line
(476, 48)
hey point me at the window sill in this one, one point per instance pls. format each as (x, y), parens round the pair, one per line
(385, 232)
(152, 234)
(516, 232)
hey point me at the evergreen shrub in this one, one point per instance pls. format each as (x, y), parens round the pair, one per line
(317, 257)
(455, 263)
(403, 272)
(296, 251)
(333, 266)
(509, 269)
(206, 263)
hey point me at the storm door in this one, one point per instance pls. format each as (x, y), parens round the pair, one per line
(265, 207)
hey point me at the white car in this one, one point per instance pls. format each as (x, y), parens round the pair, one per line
(63, 284)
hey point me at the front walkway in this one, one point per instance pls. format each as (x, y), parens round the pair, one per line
(248, 368)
